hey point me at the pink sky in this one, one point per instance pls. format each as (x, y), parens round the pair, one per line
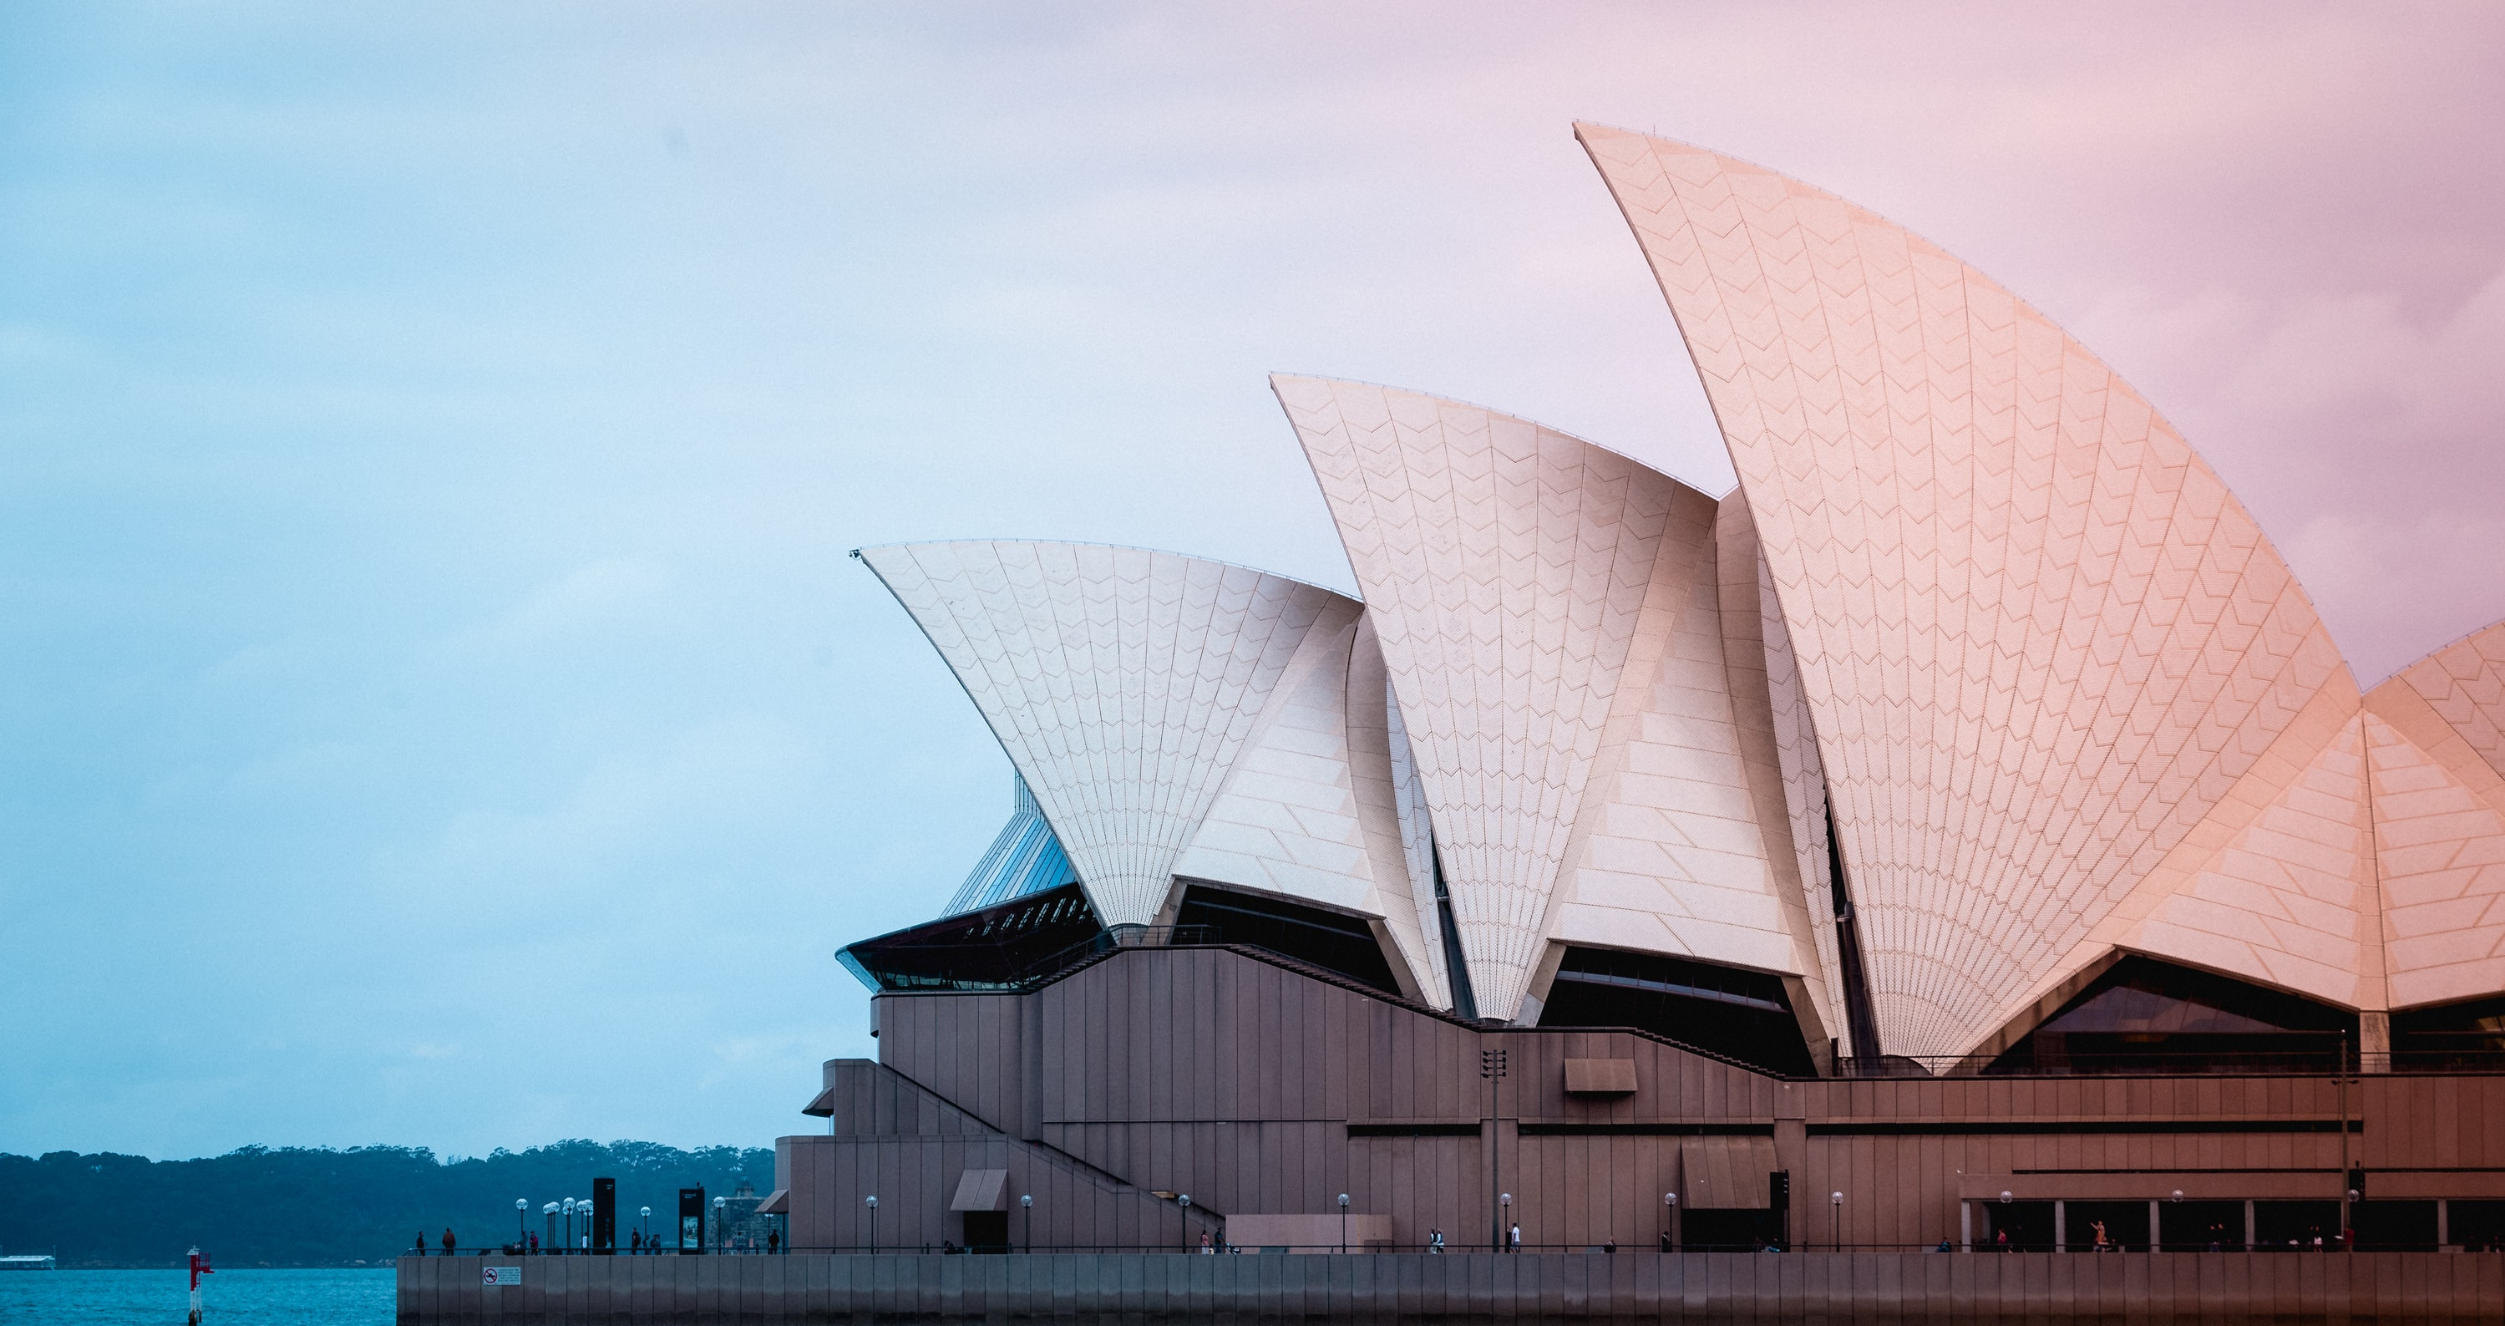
(2281, 222)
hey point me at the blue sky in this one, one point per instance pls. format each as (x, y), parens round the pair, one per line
(436, 704)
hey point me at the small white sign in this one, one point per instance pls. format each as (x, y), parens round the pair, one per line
(493, 1276)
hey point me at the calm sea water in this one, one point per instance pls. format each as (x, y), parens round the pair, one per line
(232, 1298)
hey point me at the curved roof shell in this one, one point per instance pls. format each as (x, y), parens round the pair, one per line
(1974, 605)
(1122, 683)
(2039, 639)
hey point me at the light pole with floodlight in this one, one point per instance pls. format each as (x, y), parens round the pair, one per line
(1492, 1068)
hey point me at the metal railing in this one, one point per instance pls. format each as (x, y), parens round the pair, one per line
(1641, 1249)
(1043, 970)
(2293, 1062)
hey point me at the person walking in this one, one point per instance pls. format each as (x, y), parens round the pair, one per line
(1513, 1239)
(421, 1243)
(1435, 1241)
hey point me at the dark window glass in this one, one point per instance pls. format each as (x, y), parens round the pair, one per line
(2193, 1226)
(2145, 1016)
(2296, 1226)
(2448, 1036)
(992, 949)
(1332, 941)
(2389, 1226)
(2028, 1227)
(2126, 1225)
(1735, 1230)
(1741, 1015)
(2476, 1224)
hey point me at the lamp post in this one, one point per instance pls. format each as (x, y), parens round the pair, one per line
(569, 1224)
(1184, 1200)
(1343, 1222)
(721, 1227)
(872, 1202)
(521, 1222)
(646, 1227)
(1492, 1067)
(550, 1213)
(1669, 1220)
(1835, 1227)
(1026, 1203)
(1504, 1217)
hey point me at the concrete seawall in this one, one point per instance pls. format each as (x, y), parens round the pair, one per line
(2216, 1289)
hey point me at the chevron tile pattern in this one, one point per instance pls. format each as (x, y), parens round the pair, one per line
(2038, 636)
(2290, 901)
(2440, 851)
(2464, 682)
(1668, 856)
(1504, 566)
(1288, 819)
(1122, 683)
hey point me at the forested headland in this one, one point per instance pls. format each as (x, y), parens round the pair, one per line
(296, 1206)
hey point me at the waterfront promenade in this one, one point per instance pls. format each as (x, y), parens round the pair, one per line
(1147, 1289)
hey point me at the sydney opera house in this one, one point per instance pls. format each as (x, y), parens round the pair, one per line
(1964, 831)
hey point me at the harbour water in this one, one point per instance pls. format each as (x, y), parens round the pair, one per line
(344, 1297)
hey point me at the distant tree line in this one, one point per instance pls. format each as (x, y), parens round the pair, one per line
(297, 1206)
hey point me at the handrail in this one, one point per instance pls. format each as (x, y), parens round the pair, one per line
(1640, 1249)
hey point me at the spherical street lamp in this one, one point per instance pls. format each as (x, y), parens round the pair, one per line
(721, 1229)
(1343, 1222)
(521, 1222)
(647, 1228)
(569, 1224)
(872, 1202)
(1026, 1202)
(549, 1212)
(1836, 1225)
